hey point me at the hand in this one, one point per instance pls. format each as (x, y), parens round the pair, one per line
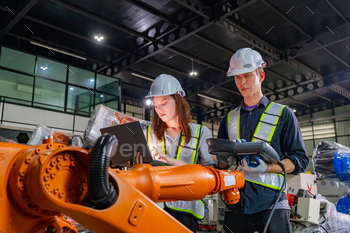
(257, 165)
(137, 159)
(240, 157)
(157, 155)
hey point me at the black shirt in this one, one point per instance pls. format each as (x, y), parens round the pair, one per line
(288, 143)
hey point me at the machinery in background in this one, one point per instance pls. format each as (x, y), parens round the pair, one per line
(210, 220)
(331, 162)
(312, 212)
(214, 217)
(301, 191)
(40, 182)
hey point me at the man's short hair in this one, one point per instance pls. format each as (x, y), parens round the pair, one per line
(259, 70)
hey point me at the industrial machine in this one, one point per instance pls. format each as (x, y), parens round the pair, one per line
(40, 182)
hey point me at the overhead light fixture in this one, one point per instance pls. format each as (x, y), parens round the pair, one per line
(57, 50)
(101, 95)
(193, 72)
(141, 76)
(210, 98)
(294, 110)
(148, 102)
(99, 38)
(71, 88)
(91, 80)
(43, 68)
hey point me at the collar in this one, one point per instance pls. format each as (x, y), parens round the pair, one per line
(263, 102)
(172, 139)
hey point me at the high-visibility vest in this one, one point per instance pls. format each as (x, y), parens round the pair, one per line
(187, 153)
(264, 132)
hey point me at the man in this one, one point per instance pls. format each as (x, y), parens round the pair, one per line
(258, 119)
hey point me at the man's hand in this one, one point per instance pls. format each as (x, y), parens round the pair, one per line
(257, 165)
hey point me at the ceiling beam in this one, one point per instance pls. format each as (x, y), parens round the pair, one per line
(268, 49)
(338, 12)
(150, 9)
(334, 55)
(72, 33)
(168, 39)
(18, 17)
(285, 17)
(340, 90)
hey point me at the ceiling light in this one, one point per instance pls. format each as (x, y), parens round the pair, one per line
(99, 38)
(294, 110)
(43, 68)
(71, 88)
(141, 76)
(193, 72)
(101, 95)
(210, 98)
(57, 50)
(91, 80)
(148, 102)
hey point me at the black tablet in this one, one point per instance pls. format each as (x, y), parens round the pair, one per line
(131, 139)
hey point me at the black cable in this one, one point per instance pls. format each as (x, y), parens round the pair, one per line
(324, 219)
(324, 229)
(279, 195)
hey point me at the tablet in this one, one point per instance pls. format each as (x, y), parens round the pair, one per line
(131, 139)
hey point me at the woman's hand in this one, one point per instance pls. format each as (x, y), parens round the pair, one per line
(137, 159)
(165, 158)
(160, 155)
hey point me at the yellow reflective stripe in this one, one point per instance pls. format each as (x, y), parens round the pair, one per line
(163, 146)
(194, 154)
(261, 118)
(271, 134)
(201, 202)
(187, 211)
(274, 128)
(270, 104)
(197, 136)
(239, 122)
(149, 136)
(180, 147)
(195, 145)
(228, 120)
(265, 185)
(256, 131)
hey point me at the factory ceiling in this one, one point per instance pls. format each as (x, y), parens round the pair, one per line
(306, 45)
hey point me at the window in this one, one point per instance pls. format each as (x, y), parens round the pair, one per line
(107, 100)
(317, 130)
(16, 85)
(81, 77)
(107, 84)
(80, 100)
(49, 94)
(17, 60)
(49, 81)
(51, 69)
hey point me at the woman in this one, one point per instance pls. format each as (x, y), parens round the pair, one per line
(176, 141)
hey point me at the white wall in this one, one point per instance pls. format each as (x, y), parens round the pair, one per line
(29, 117)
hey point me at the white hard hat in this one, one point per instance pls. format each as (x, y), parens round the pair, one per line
(165, 84)
(245, 60)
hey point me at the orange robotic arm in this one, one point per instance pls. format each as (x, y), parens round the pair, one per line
(40, 182)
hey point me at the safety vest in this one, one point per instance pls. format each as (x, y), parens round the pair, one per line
(187, 153)
(263, 132)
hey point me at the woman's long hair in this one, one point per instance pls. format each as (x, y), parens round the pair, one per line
(183, 111)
